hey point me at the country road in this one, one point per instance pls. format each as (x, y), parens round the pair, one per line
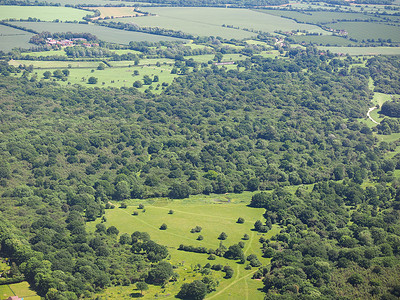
(369, 116)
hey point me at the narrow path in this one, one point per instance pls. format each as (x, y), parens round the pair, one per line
(232, 283)
(369, 114)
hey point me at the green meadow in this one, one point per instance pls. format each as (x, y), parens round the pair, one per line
(44, 13)
(210, 21)
(21, 290)
(214, 213)
(103, 33)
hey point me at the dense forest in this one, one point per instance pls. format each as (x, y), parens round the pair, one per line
(270, 123)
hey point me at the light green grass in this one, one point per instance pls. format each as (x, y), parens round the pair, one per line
(117, 77)
(209, 21)
(44, 13)
(125, 51)
(103, 33)
(364, 30)
(255, 42)
(47, 53)
(21, 290)
(11, 38)
(214, 213)
(196, 46)
(207, 57)
(142, 62)
(364, 50)
(38, 64)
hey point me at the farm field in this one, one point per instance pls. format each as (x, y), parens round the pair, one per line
(21, 289)
(207, 57)
(47, 53)
(364, 50)
(209, 21)
(115, 12)
(125, 51)
(44, 13)
(11, 38)
(214, 213)
(103, 33)
(318, 17)
(322, 40)
(88, 2)
(364, 31)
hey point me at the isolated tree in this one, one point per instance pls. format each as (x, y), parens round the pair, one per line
(47, 75)
(196, 290)
(92, 80)
(142, 286)
(163, 226)
(240, 220)
(223, 236)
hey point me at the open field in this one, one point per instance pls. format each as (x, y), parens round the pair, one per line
(125, 51)
(21, 289)
(38, 64)
(44, 13)
(88, 2)
(103, 33)
(116, 12)
(363, 30)
(322, 40)
(47, 53)
(11, 38)
(207, 57)
(214, 213)
(364, 50)
(209, 21)
(318, 17)
(116, 77)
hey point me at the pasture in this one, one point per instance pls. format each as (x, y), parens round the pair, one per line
(21, 290)
(214, 213)
(11, 38)
(44, 13)
(327, 40)
(38, 64)
(103, 33)
(364, 50)
(47, 53)
(209, 21)
(364, 30)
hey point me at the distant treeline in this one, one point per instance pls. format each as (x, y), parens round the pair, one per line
(235, 3)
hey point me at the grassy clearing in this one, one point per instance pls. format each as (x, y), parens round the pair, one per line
(44, 13)
(214, 213)
(364, 50)
(117, 77)
(209, 21)
(254, 42)
(11, 38)
(363, 30)
(103, 33)
(327, 40)
(195, 46)
(126, 51)
(209, 57)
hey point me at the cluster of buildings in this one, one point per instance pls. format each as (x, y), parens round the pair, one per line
(70, 42)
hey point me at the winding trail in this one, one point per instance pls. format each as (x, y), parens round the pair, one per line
(369, 114)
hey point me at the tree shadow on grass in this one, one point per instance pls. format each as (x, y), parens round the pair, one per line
(136, 295)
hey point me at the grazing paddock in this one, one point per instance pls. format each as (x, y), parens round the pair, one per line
(326, 40)
(44, 13)
(214, 213)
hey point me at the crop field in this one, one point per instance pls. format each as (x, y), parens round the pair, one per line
(214, 213)
(209, 21)
(364, 50)
(47, 53)
(328, 40)
(364, 30)
(103, 33)
(125, 51)
(88, 2)
(116, 12)
(21, 289)
(11, 38)
(319, 17)
(44, 13)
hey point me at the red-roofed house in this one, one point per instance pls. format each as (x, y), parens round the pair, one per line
(14, 298)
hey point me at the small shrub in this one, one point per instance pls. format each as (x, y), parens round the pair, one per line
(240, 220)
(163, 226)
